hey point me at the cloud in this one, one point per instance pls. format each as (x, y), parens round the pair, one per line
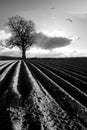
(43, 41)
(9, 52)
(55, 53)
(44, 46)
(82, 16)
(47, 42)
(4, 35)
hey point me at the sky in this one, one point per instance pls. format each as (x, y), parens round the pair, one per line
(61, 26)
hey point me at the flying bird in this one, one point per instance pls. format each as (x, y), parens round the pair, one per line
(78, 38)
(69, 20)
(52, 8)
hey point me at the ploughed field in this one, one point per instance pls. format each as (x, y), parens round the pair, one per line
(43, 94)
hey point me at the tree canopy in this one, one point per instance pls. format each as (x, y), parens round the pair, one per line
(23, 33)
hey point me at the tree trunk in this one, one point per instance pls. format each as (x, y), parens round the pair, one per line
(23, 54)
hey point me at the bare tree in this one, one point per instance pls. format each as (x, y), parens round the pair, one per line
(23, 34)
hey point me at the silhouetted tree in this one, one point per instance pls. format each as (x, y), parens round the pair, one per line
(23, 33)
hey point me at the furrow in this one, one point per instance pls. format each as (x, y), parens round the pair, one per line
(80, 84)
(67, 86)
(6, 97)
(6, 71)
(51, 116)
(66, 70)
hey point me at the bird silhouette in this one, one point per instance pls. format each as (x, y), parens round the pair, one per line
(69, 20)
(78, 38)
(52, 8)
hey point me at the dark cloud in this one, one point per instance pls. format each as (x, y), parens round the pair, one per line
(46, 42)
